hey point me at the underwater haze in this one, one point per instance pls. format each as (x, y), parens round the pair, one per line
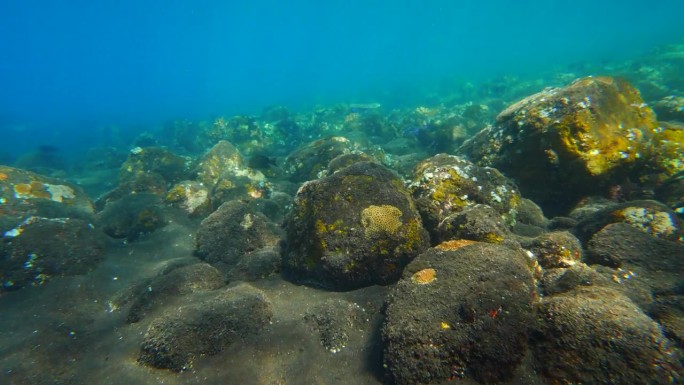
(68, 68)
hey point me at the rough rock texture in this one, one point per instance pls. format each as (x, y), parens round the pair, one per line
(40, 248)
(445, 185)
(309, 161)
(153, 160)
(233, 234)
(596, 335)
(650, 217)
(670, 108)
(177, 282)
(334, 321)
(225, 173)
(563, 143)
(460, 313)
(24, 194)
(190, 196)
(658, 262)
(557, 249)
(131, 216)
(354, 228)
(204, 327)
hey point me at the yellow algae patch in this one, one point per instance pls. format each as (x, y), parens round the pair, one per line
(31, 190)
(454, 244)
(381, 219)
(3, 176)
(423, 277)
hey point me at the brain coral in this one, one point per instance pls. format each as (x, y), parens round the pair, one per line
(380, 219)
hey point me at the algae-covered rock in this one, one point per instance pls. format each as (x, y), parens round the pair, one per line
(233, 234)
(132, 216)
(650, 217)
(446, 187)
(224, 172)
(153, 160)
(24, 194)
(557, 249)
(354, 228)
(309, 161)
(334, 321)
(596, 335)
(177, 282)
(670, 108)
(657, 262)
(205, 326)
(563, 143)
(41, 248)
(460, 312)
(191, 196)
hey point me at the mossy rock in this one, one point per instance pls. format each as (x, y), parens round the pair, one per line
(564, 143)
(463, 312)
(355, 228)
(446, 186)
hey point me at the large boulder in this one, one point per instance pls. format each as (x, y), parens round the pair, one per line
(596, 335)
(564, 143)
(311, 160)
(41, 248)
(354, 228)
(239, 241)
(24, 194)
(462, 311)
(205, 326)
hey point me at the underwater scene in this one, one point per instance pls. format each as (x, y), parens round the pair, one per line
(341, 192)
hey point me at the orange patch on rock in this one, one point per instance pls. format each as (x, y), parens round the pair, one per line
(3, 176)
(423, 277)
(34, 189)
(455, 244)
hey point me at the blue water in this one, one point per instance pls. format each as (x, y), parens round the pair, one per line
(71, 72)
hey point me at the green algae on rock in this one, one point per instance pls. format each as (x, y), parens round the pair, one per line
(564, 143)
(447, 188)
(354, 228)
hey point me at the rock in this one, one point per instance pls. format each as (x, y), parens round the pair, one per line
(557, 249)
(354, 228)
(565, 143)
(41, 248)
(478, 223)
(650, 217)
(309, 161)
(233, 234)
(190, 196)
(334, 321)
(205, 326)
(157, 161)
(177, 282)
(460, 313)
(656, 261)
(529, 213)
(24, 194)
(561, 280)
(596, 335)
(669, 311)
(670, 108)
(132, 216)
(224, 172)
(445, 185)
